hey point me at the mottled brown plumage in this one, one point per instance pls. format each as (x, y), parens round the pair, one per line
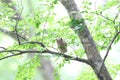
(62, 45)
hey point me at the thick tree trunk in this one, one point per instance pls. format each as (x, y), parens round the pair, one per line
(86, 40)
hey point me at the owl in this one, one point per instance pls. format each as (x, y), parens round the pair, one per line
(62, 45)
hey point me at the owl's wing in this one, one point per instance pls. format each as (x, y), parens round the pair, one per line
(65, 43)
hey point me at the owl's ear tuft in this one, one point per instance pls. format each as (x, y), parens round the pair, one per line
(61, 39)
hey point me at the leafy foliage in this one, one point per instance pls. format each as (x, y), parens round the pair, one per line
(5, 15)
(43, 26)
(28, 70)
(114, 68)
(58, 68)
(89, 75)
(77, 25)
(100, 22)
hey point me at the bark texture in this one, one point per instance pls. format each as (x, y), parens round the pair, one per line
(86, 40)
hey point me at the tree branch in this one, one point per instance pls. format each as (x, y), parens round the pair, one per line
(69, 57)
(108, 49)
(20, 52)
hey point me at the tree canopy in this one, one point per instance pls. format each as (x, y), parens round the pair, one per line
(29, 29)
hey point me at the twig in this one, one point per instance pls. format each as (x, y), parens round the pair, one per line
(32, 42)
(17, 21)
(116, 16)
(6, 49)
(11, 32)
(3, 48)
(108, 49)
(2, 51)
(113, 21)
(104, 16)
(44, 25)
(53, 48)
(19, 53)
